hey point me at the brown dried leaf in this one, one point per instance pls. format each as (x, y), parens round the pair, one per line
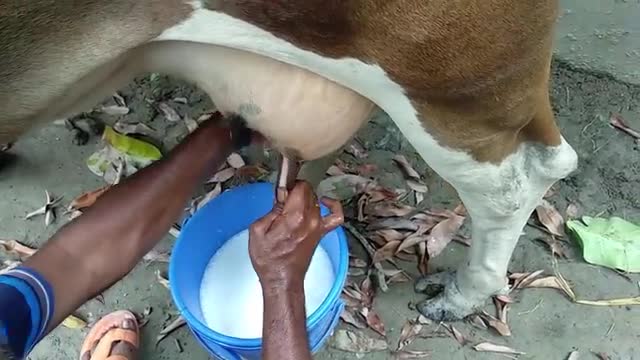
(135, 128)
(16, 248)
(162, 280)
(235, 161)
(114, 110)
(545, 282)
(476, 320)
(499, 326)
(380, 193)
(411, 354)
(574, 355)
(550, 218)
(367, 169)
(119, 100)
(87, 199)
(618, 122)
(505, 299)
(191, 124)
(489, 347)
(456, 334)
(411, 241)
(180, 100)
(350, 341)
(367, 291)
(354, 148)
(389, 209)
(391, 235)
(522, 280)
(222, 175)
(156, 256)
(173, 326)
(356, 271)
(373, 320)
(334, 171)
(350, 317)
(393, 224)
(217, 190)
(386, 252)
(554, 246)
(406, 167)
(417, 186)
(421, 319)
(572, 211)
(442, 234)
(342, 187)
(423, 266)
(251, 172)
(602, 355)
(357, 262)
(169, 113)
(400, 277)
(410, 330)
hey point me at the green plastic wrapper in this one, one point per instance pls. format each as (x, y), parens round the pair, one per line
(613, 242)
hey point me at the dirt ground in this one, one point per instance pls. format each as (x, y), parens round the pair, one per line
(545, 325)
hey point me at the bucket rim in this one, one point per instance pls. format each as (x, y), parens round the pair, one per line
(255, 343)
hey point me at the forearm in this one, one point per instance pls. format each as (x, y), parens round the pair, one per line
(284, 334)
(98, 248)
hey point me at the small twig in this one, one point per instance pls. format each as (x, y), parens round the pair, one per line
(613, 324)
(532, 310)
(371, 251)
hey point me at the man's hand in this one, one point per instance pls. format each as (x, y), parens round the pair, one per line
(281, 246)
(282, 243)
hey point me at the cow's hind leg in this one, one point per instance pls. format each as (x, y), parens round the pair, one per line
(499, 195)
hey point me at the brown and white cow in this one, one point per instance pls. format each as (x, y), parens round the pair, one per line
(466, 82)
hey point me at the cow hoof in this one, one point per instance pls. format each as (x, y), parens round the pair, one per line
(449, 304)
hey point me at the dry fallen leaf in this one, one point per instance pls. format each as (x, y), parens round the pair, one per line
(180, 100)
(119, 100)
(114, 110)
(619, 123)
(350, 317)
(442, 234)
(334, 171)
(572, 211)
(389, 209)
(406, 167)
(74, 322)
(489, 347)
(16, 248)
(411, 354)
(554, 246)
(342, 187)
(367, 169)
(87, 199)
(476, 320)
(235, 161)
(550, 218)
(410, 330)
(174, 325)
(524, 279)
(393, 224)
(350, 341)
(135, 128)
(162, 280)
(373, 320)
(222, 175)
(417, 186)
(191, 124)
(498, 325)
(379, 193)
(217, 190)
(602, 355)
(456, 334)
(354, 148)
(391, 234)
(156, 256)
(169, 113)
(386, 252)
(357, 262)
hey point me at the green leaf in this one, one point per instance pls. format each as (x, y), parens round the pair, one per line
(614, 242)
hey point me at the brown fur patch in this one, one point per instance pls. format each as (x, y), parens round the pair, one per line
(477, 70)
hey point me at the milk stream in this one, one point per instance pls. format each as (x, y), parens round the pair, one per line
(230, 292)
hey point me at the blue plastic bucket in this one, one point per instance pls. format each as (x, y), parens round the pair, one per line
(206, 231)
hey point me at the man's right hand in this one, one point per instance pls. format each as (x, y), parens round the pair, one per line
(282, 243)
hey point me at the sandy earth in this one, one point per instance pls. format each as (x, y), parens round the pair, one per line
(544, 323)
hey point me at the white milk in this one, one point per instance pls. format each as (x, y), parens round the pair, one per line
(231, 296)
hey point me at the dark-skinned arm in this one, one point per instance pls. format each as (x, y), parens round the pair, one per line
(97, 249)
(281, 246)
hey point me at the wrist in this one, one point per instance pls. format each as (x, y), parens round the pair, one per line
(274, 286)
